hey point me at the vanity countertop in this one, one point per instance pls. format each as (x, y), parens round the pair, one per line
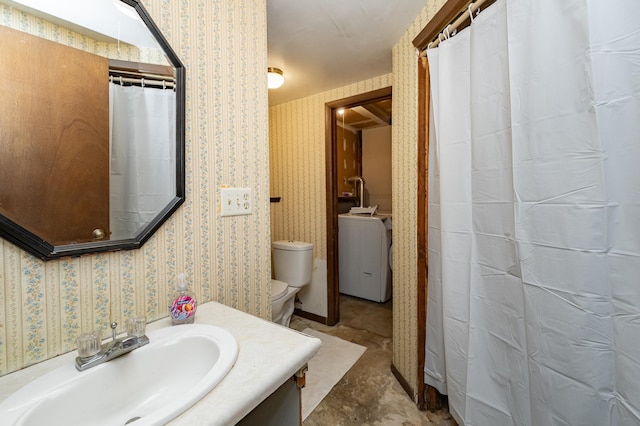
(268, 355)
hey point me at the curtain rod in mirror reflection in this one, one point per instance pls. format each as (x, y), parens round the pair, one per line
(83, 168)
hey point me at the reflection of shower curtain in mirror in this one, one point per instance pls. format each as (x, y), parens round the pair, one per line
(143, 159)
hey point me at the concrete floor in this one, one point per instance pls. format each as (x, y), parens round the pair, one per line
(368, 394)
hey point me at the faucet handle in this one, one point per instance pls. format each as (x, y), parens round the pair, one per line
(89, 344)
(136, 326)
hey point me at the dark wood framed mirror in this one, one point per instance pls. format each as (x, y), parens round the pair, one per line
(92, 126)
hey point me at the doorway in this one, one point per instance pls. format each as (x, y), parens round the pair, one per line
(333, 192)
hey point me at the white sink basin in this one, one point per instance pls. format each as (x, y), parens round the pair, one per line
(149, 386)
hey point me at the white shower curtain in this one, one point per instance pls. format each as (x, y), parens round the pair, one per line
(143, 156)
(534, 215)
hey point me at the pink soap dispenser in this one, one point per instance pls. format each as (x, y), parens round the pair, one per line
(183, 305)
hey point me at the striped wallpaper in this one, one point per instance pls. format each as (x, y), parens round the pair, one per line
(43, 306)
(405, 181)
(27, 23)
(297, 165)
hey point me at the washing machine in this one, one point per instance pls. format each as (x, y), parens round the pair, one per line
(364, 243)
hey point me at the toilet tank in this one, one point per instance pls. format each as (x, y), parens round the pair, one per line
(292, 262)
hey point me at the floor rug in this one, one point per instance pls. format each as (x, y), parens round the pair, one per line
(334, 358)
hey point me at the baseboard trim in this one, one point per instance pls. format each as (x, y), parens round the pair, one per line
(310, 316)
(403, 382)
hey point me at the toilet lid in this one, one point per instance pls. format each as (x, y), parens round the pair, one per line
(278, 289)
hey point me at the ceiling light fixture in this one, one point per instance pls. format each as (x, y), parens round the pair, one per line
(275, 78)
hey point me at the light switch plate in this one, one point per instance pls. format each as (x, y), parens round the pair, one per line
(235, 201)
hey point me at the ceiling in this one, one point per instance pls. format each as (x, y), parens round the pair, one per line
(366, 116)
(325, 44)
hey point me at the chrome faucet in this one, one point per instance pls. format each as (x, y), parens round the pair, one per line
(361, 181)
(92, 353)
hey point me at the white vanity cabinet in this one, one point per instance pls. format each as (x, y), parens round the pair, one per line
(281, 408)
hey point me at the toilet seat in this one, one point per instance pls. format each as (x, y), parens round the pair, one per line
(278, 290)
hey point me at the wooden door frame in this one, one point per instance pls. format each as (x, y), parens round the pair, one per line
(428, 398)
(333, 286)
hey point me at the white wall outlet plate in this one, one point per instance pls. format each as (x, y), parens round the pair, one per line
(235, 201)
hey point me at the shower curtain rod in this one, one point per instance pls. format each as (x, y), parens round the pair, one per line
(454, 25)
(165, 84)
(142, 82)
(119, 74)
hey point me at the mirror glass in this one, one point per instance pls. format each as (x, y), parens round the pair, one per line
(91, 126)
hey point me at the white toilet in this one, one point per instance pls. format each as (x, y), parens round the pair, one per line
(292, 263)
